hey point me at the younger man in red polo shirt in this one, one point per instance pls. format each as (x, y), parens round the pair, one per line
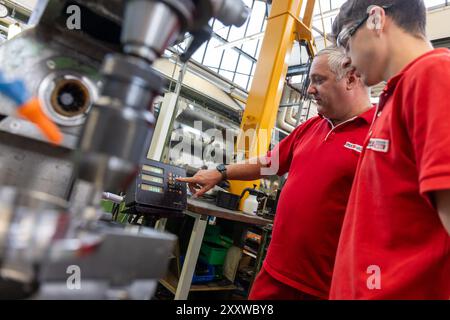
(395, 241)
(321, 157)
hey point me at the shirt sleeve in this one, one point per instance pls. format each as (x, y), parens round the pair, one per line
(428, 122)
(280, 157)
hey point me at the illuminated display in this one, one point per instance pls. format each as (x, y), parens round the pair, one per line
(156, 189)
(149, 178)
(152, 169)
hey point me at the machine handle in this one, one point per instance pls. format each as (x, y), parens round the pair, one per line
(32, 111)
(30, 108)
(112, 197)
(199, 37)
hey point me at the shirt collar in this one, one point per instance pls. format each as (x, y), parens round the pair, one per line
(366, 116)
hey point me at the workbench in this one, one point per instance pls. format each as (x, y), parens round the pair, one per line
(200, 210)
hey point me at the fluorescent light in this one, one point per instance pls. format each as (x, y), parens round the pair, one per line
(238, 42)
(329, 14)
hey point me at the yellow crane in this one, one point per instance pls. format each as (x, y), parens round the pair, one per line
(284, 26)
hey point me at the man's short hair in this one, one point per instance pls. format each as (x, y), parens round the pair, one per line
(336, 61)
(410, 15)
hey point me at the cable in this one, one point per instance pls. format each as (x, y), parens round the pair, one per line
(323, 25)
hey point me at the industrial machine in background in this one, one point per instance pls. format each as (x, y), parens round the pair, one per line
(96, 82)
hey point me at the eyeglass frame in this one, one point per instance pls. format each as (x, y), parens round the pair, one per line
(350, 31)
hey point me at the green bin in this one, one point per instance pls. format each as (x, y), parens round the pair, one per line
(213, 254)
(220, 240)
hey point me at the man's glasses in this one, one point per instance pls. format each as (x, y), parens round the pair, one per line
(349, 31)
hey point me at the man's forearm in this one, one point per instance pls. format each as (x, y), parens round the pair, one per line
(250, 170)
(205, 180)
(443, 205)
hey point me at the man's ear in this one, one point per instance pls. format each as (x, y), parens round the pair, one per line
(377, 19)
(347, 63)
(352, 78)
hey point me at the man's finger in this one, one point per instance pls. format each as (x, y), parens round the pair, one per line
(203, 191)
(188, 180)
(192, 188)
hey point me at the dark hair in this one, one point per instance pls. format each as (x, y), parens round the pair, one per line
(410, 15)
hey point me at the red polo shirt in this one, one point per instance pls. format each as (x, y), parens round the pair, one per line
(321, 160)
(393, 244)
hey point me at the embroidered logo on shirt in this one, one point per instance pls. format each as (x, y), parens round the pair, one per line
(380, 145)
(353, 146)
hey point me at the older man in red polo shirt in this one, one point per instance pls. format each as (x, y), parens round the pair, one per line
(321, 157)
(395, 241)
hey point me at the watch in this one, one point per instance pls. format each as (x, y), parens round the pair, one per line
(223, 170)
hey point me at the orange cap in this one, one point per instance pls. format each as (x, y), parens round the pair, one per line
(32, 112)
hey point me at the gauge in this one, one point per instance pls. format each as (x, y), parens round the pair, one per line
(152, 169)
(147, 187)
(4, 11)
(149, 178)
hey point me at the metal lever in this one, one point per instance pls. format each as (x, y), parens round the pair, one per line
(199, 37)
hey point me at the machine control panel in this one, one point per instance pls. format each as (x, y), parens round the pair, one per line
(156, 190)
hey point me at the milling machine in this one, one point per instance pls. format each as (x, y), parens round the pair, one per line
(97, 84)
